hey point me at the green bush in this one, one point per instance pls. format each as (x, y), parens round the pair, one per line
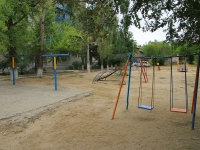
(22, 64)
(77, 65)
(4, 64)
(71, 68)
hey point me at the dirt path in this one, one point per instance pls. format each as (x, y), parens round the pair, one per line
(86, 123)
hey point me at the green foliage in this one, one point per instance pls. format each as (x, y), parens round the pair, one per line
(23, 63)
(4, 64)
(179, 18)
(3, 27)
(153, 49)
(157, 49)
(122, 48)
(105, 46)
(67, 39)
(77, 65)
(14, 23)
(187, 50)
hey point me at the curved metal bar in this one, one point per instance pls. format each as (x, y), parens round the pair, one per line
(54, 55)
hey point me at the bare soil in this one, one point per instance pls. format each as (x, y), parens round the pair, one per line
(86, 124)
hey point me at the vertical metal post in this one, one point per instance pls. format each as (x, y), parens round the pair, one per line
(13, 69)
(171, 85)
(129, 79)
(122, 81)
(55, 78)
(186, 91)
(196, 91)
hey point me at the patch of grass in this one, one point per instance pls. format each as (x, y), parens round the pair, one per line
(18, 131)
(162, 78)
(22, 124)
(77, 75)
(73, 75)
(81, 76)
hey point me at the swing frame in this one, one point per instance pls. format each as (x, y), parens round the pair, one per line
(172, 108)
(140, 105)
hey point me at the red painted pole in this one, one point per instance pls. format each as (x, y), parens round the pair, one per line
(115, 107)
(195, 90)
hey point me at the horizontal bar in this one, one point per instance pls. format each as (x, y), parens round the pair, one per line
(154, 57)
(16, 55)
(54, 55)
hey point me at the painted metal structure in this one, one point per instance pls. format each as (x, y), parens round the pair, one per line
(104, 74)
(172, 109)
(13, 65)
(140, 103)
(54, 65)
(122, 81)
(194, 102)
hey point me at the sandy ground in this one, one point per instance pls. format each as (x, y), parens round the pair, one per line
(86, 124)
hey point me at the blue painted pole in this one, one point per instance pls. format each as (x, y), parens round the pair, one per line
(55, 78)
(129, 79)
(13, 70)
(196, 91)
(13, 74)
(55, 74)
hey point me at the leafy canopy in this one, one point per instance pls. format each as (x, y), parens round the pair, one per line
(179, 18)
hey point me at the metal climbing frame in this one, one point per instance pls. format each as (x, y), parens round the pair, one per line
(104, 74)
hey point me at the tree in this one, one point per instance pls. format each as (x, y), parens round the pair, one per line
(42, 36)
(66, 39)
(122, 49)
(55, 37)
(105, 46)
(157, 49)
(188, 51)
(15, 15)
(180, 18)
(3, 28)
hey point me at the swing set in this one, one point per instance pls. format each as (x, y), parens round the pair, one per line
(151, 106)
(140, 104)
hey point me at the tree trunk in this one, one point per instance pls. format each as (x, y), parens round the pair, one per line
(12, 51)
(82, 60)
(40, 62)
(111, 67)
(101, 65)
(88, 59)
(107, 67)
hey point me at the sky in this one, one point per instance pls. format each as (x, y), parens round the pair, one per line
(144, 37)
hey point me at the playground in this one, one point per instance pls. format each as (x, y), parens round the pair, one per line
(86, 122)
